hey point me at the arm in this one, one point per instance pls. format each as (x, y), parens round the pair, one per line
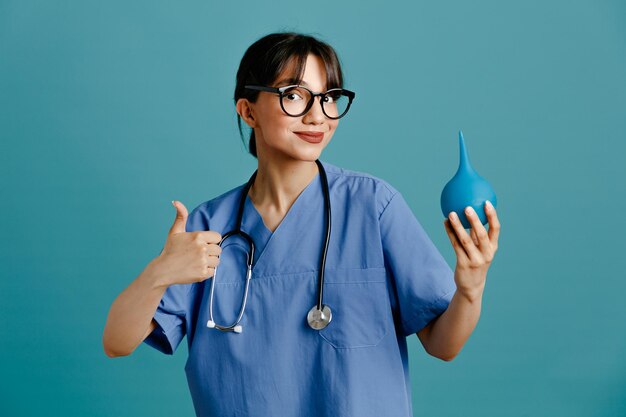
(130, 317)
(186, 258)
(444, 337)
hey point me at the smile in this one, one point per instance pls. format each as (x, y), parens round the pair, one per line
(311, 137)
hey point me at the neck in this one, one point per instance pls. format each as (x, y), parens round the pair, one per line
(279, 183)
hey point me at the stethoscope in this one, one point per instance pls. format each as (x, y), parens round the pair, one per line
(320, 315)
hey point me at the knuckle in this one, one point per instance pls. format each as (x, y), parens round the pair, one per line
(475, 264)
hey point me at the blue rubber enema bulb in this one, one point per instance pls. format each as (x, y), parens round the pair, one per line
(466, 188)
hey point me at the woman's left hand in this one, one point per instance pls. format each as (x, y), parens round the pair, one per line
(473, 253)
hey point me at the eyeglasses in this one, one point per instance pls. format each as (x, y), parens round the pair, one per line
(296, 100)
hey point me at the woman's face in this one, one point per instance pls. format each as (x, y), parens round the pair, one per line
(276, 133)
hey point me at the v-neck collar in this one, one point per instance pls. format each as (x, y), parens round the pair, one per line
(262, 236)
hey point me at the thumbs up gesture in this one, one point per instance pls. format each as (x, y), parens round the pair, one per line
(188, 257)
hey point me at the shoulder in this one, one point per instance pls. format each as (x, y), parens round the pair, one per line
(359, 186)
(211, 210)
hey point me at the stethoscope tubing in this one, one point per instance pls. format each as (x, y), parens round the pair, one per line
(250, 257)
(320, 281)
(322, 310)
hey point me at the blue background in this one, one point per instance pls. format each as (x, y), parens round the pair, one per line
(110, 110)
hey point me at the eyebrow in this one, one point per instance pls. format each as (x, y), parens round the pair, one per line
(289, 81)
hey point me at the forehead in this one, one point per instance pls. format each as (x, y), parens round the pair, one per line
(313, 76)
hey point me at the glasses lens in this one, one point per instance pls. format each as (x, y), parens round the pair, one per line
(295, 100)
(335, 103)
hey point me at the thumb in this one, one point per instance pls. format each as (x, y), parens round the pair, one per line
(181, 218)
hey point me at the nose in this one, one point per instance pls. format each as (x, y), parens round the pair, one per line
(315, 115)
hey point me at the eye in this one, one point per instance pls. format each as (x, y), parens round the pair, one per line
(295, 94)
(332, 96)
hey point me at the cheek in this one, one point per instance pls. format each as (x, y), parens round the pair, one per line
(329, 135)
(269, 114)
(274, 122)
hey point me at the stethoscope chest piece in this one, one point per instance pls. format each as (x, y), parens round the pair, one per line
(319, 319)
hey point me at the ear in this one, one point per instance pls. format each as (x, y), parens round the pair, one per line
(245, 111)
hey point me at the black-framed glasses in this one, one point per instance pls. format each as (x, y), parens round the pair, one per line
(296, 100)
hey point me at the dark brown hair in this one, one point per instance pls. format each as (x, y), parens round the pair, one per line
(265, 59)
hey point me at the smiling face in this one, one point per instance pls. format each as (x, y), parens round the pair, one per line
(279, 136)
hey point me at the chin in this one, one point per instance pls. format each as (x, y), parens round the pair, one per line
(300, 152)
(310, 156)
(311, 152)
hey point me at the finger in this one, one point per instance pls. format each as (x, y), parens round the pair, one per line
(210, 272)
(456, 245)
(463, 237)
(213, 261)
(181, 218)
(209, 236)
(214, 249)
(482, 239)
(494, 223)
(473, 235)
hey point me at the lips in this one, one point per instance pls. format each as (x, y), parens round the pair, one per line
(311, 137)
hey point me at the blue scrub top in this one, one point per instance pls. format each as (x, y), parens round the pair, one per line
(384, 280)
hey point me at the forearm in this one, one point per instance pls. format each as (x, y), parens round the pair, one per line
(452, 329)
(445, 337)
(131, 313)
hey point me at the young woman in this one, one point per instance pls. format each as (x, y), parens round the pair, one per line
(325, 276)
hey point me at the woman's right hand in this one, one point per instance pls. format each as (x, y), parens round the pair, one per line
(187, 257)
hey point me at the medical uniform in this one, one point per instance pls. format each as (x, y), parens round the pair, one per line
(384, 281)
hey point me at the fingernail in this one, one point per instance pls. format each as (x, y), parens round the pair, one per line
(469, 211)
(488, 204)
(452, 215)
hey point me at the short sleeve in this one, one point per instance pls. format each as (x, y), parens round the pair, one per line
(173, 313)
(171, 317)
(422, 280)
